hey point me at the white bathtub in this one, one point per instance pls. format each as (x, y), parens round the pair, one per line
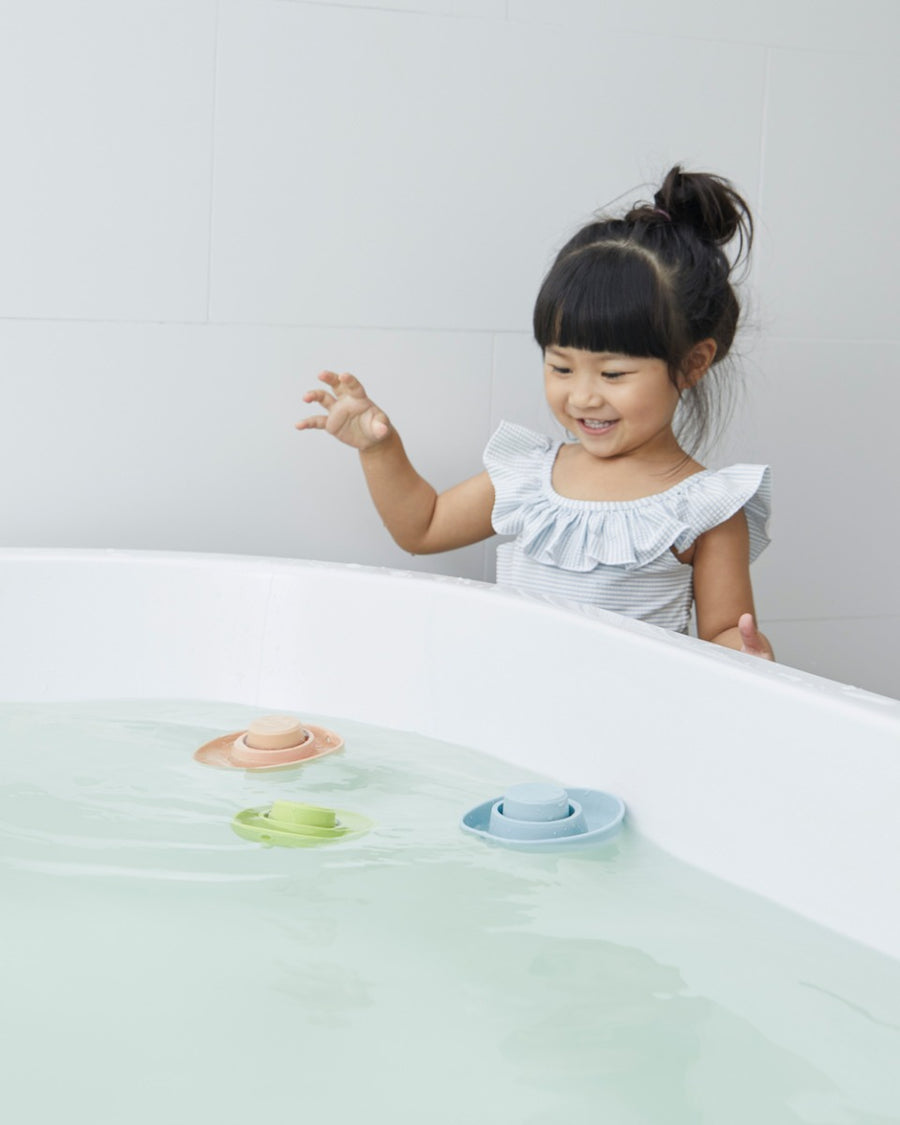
(780, 782)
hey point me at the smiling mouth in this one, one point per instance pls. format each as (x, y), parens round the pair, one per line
(597, 425)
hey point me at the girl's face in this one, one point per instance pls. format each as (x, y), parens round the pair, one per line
(615, 405)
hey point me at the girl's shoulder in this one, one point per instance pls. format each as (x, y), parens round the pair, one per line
(519, 462)
(714, 495)
(512, 443)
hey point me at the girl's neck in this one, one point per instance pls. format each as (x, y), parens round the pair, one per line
(578, 475)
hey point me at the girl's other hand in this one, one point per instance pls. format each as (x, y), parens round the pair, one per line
(752, 641)
(351, 415)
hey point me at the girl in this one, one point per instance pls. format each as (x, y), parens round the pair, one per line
(631, 318)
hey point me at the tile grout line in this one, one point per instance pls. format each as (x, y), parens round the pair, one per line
(212, 160)
(485, 550)
(823, 620)
(763, 136)
(447, 329)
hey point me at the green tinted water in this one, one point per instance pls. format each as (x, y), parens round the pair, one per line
(155, 967)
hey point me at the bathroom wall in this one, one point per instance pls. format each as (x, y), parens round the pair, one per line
(205, 202)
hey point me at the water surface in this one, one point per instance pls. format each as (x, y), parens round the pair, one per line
(156, 967)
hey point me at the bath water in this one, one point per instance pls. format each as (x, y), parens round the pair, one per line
(157, 968)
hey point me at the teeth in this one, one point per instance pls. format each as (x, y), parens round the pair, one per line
(596, 424)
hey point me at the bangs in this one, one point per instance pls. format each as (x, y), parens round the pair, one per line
(606, 297)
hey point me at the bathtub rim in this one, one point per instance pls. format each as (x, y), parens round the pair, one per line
(756, 810)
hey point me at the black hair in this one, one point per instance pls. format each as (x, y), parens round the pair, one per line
(655, 283)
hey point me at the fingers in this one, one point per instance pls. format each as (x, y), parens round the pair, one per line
(752, 642)
(349, 413)
(323, 398)
(343, 384)
(314, 422)
(749, 634)
(340, 384)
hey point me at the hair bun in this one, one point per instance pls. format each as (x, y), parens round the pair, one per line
(707, 203)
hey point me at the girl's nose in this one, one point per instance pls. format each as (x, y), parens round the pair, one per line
(586, 393)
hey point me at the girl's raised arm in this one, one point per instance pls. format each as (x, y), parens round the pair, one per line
(723, 594)
(419, 519)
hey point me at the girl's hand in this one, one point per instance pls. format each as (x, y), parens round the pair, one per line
(752, 641)
(351, 416)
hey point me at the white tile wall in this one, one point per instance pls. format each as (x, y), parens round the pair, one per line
(832, 181)
(378, 169)
(823, 414)
(182, 437)
(518, 390)
(254, 189)
(480, 9)
(425, 7)
(808, 24)
(105, 114)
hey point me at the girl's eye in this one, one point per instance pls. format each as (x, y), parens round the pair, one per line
(613, 374)
(560, 370)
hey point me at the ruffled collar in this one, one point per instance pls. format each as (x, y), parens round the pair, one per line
(581, 535)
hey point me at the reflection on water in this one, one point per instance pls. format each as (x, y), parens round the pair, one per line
(159, 967)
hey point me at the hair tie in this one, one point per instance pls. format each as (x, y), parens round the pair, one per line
(665, 214)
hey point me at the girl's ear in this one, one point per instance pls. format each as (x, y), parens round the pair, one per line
(696, 363)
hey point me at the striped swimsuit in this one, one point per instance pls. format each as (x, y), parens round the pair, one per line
(615, 554)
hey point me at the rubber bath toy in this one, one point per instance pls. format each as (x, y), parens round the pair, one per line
(290, 824)
(269, 743)
(540, 815)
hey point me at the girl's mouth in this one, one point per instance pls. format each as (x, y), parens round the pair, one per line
(597, 425)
